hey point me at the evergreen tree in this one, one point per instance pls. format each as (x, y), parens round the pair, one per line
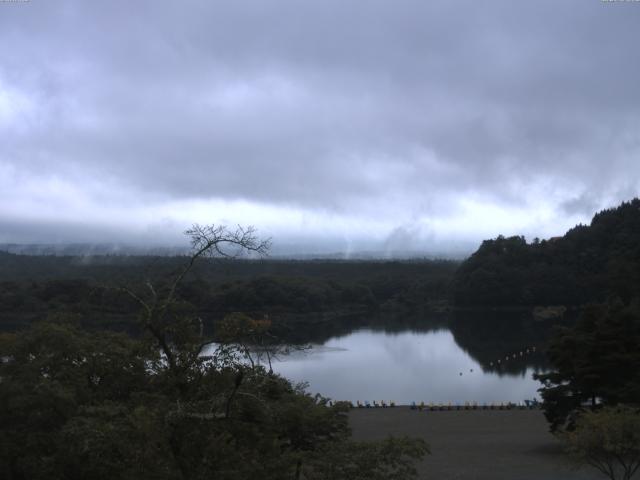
(597, 362)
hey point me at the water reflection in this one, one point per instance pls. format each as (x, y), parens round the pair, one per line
(406, 366)
(493, 339)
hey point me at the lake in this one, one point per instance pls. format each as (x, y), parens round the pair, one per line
(413, 366)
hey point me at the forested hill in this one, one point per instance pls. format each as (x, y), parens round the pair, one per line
(35, 287)
(590, 263)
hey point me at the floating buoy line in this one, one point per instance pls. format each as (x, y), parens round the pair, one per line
(513, 356)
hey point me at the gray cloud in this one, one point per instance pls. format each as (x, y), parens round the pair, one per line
(584, 204)
(395, 114)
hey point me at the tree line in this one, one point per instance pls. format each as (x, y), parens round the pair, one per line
(590, 263)
(288, 291)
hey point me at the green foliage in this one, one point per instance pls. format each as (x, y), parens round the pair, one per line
(287, 290)
(49, 374)
(75, 404)
(588, 264)
(595, 362)
(608, 440)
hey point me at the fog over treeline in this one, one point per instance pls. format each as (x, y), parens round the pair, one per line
(293, 252)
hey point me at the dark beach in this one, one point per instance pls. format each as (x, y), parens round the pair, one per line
(475, 445)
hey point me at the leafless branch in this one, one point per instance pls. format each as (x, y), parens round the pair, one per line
(210, 241)
(138, 299)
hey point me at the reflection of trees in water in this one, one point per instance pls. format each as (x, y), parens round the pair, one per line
(319, 328)
(496, 339)
(489, 337)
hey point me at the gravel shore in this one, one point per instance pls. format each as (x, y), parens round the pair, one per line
(475, 445)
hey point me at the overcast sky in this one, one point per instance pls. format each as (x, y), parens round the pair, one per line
(329, 125)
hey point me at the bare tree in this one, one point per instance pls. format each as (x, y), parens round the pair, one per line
(157, 303)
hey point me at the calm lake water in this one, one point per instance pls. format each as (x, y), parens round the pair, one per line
(409, 366)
